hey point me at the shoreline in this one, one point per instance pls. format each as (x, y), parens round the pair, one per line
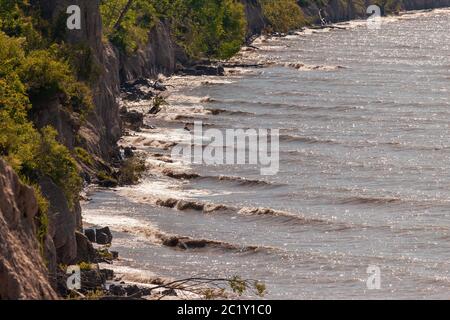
(163, 143)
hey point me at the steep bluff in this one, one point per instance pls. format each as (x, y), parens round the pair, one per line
(102, 128)
(23, 274)
(159, 56)
(98, 133)
(256, 22)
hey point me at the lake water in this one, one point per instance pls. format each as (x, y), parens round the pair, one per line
(364, 175)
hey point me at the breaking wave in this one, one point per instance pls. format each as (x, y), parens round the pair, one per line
(370, 200)
(228, 112)
(243, 181)
(304, 67)
(189, 243)
(188, 175)
(185, 205)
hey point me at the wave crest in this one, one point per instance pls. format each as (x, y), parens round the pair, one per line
(188, 243)
(305, 67)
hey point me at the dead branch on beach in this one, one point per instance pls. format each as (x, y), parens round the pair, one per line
(211, 288)
(204, 287)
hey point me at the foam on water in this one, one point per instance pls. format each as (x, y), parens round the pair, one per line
(364, 167)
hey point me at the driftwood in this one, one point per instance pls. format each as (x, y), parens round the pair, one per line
(215, 287)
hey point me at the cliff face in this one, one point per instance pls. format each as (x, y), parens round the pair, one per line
(98, 133)
(102, 128)
(256, 22)
(159, 56)
(23, 274)
(337, 10)
(162, 55)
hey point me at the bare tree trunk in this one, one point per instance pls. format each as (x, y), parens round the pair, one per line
(122, 14)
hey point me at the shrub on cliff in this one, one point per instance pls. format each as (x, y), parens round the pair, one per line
(283, 15)
(203, 27)
(81, 59)
(46, 70)
(15, 23)
(18, 138)
(83, 156)
(31, 153)
(55, 161)
(46, 77)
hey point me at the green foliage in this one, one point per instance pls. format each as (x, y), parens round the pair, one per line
(131, 170)
(158, 101)
(30, 69)
(46, 70)
(10, 16)
(203, 27)
(32, 153)
(240, 286)
(133, 30)
(41, 218)
(210, 28)
(105, 254)
(17, 20)
(19, 142)
(96, 294)
(55, 161)
(84, 266)
(83, 156)
(45, 77)
(105, 179)
(18, 138)
(81, 60)
(11, 54)
(283, 15)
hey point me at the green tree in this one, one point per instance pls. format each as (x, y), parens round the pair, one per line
(205, 28)
(283, 15)
(31, 153)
